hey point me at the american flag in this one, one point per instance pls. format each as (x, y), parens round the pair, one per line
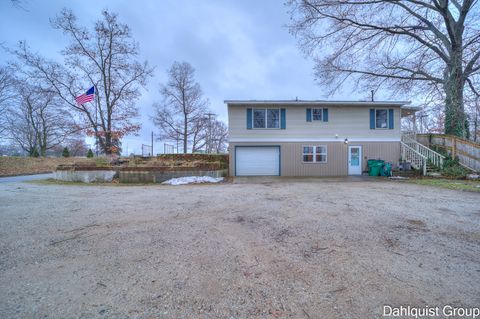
(86, 97)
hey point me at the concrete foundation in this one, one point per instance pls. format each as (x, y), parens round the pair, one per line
(136, 176)
(93, 176)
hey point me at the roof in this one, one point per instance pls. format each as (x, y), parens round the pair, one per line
(402, 104)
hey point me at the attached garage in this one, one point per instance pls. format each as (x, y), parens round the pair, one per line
(257, 160)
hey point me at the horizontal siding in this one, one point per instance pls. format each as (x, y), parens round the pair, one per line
(346, 121)
(292, 164)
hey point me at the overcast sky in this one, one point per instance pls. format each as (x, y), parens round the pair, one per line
(240, 49)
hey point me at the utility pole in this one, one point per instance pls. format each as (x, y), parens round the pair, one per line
(152, 143)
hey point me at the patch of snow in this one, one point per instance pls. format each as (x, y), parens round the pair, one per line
(192, 180)
(398, 177)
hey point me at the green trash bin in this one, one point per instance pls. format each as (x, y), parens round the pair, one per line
(375, 169)
(386, 169)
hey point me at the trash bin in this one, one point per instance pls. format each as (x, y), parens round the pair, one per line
(386, 169)
(375, 168)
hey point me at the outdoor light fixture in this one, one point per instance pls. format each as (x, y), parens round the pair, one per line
(346, 141)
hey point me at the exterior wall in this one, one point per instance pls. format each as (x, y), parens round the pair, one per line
(292, 163)
(352, 122)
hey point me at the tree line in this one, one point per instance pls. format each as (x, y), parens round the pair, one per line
(37, 95)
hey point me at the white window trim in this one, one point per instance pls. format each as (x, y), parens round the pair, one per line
(315, 154)
(321, 112)
(265, 109)
(388, 120)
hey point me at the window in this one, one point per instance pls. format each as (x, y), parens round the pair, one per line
(315, 154)
(317, 114)
(259, 118)
(308, 153)
(273, 118)
(266, 118)
(381, 118)
(321, 154)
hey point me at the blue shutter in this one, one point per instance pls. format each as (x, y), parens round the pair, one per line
(390, 119)
(249, 119)
(283, 119)
(309, 115)
(325, 115)
(372, 119)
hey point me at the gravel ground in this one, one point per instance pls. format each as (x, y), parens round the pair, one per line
(256, 248)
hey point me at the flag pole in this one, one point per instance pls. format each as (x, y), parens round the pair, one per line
(96, 120)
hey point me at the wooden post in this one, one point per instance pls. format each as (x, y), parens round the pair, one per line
(454, 146)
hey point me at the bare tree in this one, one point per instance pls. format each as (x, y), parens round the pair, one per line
(406, 46)
(105, 58)
(181, 113)
(219, 137)
(38, 121)
(6, 95)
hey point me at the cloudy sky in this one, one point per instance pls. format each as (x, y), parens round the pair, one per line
(240, 49)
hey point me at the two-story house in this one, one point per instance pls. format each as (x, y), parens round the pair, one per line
(312, 138)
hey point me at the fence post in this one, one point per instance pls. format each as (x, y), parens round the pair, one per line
(454, 147)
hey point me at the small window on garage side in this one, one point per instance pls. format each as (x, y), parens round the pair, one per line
(321, 154)
(317, 114)
(381, 118)
(308, 154)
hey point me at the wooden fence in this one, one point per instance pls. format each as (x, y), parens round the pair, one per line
(468, 152)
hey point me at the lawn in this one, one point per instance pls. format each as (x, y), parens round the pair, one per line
(461, 185)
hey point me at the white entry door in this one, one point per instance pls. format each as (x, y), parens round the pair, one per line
(354, 160)
(257, 160)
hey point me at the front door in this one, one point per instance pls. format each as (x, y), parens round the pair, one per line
(354, 160)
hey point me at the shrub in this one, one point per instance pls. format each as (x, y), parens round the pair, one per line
(89, 153)
(453, 169)
(66, 152)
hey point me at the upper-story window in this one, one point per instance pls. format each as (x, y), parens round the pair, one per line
(317, 114)
(381, 118)
(266, 118)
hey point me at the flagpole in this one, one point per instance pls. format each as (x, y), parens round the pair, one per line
(96, 121)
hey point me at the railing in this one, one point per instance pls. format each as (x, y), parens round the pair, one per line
(417, 160)
(434, 157)
(467, 152)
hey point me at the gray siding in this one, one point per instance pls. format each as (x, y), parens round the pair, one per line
(292, 164)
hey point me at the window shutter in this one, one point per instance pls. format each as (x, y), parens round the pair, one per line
(372, 119)
(325, 115)
(249, 119)
(283, 119)
(309, 115)
(390, 119)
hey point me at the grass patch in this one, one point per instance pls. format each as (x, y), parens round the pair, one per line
(461, 185)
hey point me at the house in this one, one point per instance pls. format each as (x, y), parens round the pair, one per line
(312, 138)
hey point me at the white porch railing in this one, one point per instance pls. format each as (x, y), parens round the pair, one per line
(417, 160)
(434, 157)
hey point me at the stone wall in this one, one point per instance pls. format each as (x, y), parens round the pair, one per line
(87, 176)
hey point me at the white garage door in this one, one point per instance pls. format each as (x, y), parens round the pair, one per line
(262, 160)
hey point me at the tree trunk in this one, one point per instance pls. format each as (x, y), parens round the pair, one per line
(108, 143)
(185, 134)
(454, 109)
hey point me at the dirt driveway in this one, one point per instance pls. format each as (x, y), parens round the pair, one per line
(289, 249)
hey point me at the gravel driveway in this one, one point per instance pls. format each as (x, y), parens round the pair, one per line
(253, 249)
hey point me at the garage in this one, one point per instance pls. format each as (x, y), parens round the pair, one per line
(257, 160)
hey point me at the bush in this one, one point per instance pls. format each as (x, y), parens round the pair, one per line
(66, 152)
(89, 153)
(453, 169)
